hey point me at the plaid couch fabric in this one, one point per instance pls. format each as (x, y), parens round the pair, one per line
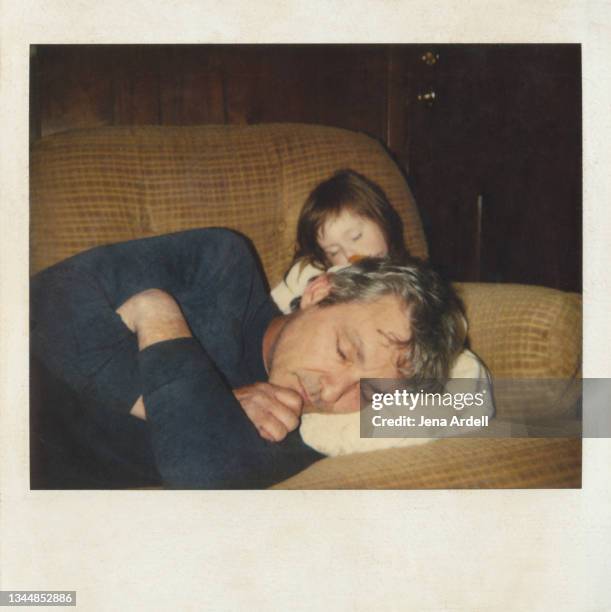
(92, 187)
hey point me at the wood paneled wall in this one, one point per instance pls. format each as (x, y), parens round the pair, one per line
(84, 86)
(505, 125)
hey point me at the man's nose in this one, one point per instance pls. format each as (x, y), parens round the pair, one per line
(333, 387)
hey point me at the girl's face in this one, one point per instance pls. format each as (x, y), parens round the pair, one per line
(349, 234)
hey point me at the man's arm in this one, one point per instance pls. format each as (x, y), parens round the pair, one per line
(78, 337)
(154, 316)
(200, 435)
(193, 416)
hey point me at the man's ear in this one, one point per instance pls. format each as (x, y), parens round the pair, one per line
(317, 290)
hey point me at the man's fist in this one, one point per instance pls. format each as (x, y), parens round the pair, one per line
(274, 410)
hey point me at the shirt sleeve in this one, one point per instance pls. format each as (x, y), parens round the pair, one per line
(293, 285)
(75, 330)
(76, 333)
(201, 437)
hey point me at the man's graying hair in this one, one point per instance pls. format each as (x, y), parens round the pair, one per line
(436, 315)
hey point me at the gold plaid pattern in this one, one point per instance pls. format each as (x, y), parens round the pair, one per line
(527, 332)
(492, 463)
(91, 187)
(524, 331)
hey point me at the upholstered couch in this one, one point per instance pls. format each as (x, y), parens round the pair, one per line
(91, 187)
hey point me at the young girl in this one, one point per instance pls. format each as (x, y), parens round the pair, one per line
(344, 218)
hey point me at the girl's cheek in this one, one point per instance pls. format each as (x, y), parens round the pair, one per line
(384, 250)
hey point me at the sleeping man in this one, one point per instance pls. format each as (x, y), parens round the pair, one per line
(163, 361)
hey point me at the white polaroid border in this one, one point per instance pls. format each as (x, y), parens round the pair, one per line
(306, 550)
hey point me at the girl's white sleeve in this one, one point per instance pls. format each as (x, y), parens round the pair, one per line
(293, 285)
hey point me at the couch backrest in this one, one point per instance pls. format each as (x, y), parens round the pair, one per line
(96, 186)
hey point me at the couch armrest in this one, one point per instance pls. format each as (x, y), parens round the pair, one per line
(523, 331)
(527, 332)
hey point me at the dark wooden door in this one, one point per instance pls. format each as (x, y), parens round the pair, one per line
(493, 154)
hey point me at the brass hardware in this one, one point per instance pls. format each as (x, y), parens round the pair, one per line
(430, 58)
(428, 98)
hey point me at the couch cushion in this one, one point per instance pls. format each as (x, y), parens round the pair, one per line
(96, 186)
(526, 333)
(451, 464)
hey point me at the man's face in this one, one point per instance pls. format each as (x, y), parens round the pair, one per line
(323, 352)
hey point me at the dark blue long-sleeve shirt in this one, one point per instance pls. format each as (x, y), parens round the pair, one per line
(91, 372)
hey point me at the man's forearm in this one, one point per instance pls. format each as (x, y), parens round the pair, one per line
(154, 316)
(162, 329)
(201, 437)
(77, 336)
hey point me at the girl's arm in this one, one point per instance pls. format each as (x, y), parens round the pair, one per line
(294, 284)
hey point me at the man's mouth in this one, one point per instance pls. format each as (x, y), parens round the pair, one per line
(303, 392)
(307, 398)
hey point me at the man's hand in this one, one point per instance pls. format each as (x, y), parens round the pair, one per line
(315, 291)
(154, 316)
(274, 410)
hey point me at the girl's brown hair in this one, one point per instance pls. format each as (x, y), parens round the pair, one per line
(345, 190)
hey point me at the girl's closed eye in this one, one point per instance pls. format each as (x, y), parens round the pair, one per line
(348, 235)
